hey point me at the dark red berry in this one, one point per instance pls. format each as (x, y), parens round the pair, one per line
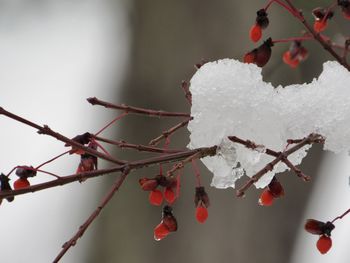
(169, 219)
(87, 163)
(275, 187)
(318, 227)
(324, 244)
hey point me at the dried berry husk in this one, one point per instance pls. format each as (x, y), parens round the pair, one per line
(201, 197)
(169, 219)
(261, 18)
(5, 186)
(263, 53)
(276, 188)
(25, 171)
(319, 13)
(316, 227)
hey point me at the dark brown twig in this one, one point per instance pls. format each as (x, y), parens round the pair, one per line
(66, 246)
(281, 156)
(47, 131)
(136, 110)
(188, 95)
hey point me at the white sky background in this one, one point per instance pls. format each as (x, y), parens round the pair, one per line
(330, 199)
(53, 55)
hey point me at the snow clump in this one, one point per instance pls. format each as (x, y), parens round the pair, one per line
(231, 98)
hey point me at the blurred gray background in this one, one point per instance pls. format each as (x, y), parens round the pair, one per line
(137, 52)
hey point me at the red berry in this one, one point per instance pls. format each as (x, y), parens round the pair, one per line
(250, 57)
(169, 195)
(255, 33)
(148, 184)
(320, 25)
(21, 183)
(266, 198)
(156, 197)
(201, 214)
(324, 244)
(160, 231)
(287, 58)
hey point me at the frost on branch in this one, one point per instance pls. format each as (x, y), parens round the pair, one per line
(231, 98)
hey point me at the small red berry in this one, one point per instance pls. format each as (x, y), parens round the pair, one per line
(160, 231)
(320, 25)
(201, 214)
(156, 197)
(255, 33)
(266, 198)
(169, 195)
(21, 183)
(287, 58)
(324, 244)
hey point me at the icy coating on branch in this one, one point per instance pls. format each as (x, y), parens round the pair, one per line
(231, 98)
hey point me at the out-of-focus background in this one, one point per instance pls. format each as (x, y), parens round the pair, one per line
(55, 54)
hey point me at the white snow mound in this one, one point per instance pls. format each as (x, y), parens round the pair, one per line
(231, 98)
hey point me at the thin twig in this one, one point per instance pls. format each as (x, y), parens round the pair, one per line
(170, 131)
(134, 165)
(47, 131)
(139, 147)
(136, 110)
(312, 138)
(66, 246)
(341, 216)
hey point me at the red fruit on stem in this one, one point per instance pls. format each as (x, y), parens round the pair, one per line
(160, 231)
(266, 198)
(201, 214)
(324, 244)
(21, 183)
(293, 62)
(320, 25)
(255, 33)
(156, 197)
(169, 195)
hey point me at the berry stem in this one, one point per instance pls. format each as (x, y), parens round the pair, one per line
(170, 131)
(341, 216)
(197, 173)
(51, 160)
(291, 39)
(290, 10)
(110, 123)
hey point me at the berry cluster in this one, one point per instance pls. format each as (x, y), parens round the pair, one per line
(322, 229)
(170, 193)
(296, 53)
